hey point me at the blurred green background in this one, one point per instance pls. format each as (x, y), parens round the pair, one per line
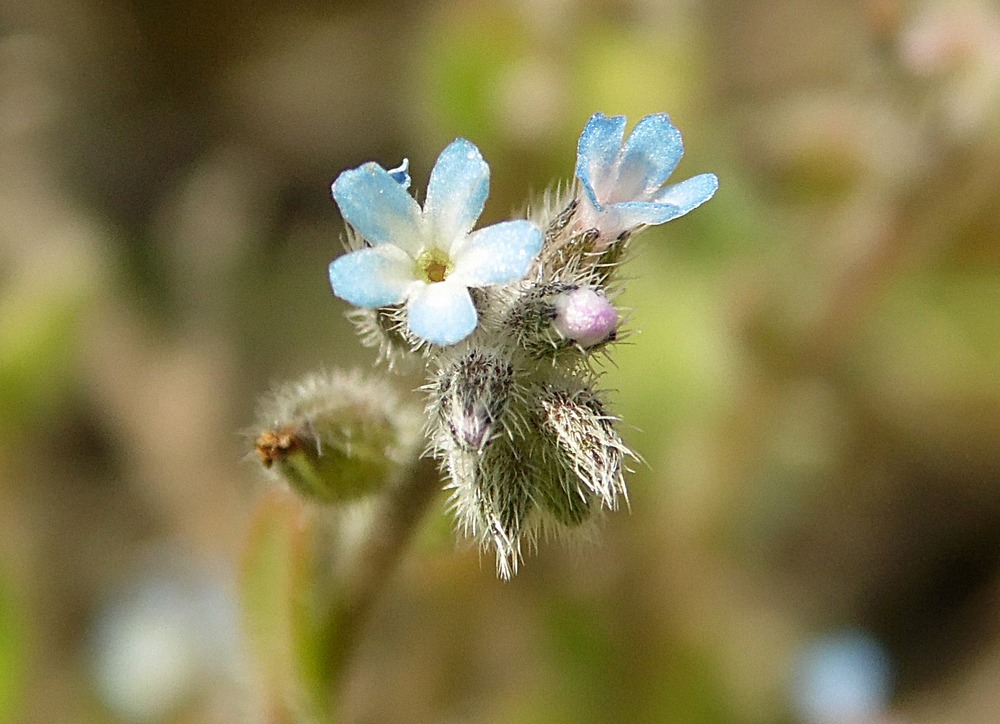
(815, 386)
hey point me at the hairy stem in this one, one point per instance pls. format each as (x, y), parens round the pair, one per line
(369, 571)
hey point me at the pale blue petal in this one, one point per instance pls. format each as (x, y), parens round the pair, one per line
(378, 207)
(441, 313)
(498, 254)
(372, 277)
(690, 194)
(600, 142)
(401, 174)
(648, 157)
(628, 215)
(596, 152)
(456, 193)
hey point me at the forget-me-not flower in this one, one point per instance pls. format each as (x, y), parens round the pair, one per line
(430, 257)
(510, 323)
(623, 181)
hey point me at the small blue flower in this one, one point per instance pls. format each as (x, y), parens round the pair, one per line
(622, 180)
(428, 258)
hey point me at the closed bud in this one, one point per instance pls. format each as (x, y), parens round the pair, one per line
(336, 437)
(585, 317)
(491, 498)
(471, 397)
(529, 320)
(585, 442)
(550, 318)
(559, 491)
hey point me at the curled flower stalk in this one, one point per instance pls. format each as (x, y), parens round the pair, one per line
(511, 321)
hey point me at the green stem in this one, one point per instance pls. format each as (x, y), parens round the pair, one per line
(367, 574)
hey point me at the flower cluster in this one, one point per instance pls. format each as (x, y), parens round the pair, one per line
(508, 319)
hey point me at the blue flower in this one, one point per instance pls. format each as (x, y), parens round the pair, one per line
(622, 181)
(428, 258)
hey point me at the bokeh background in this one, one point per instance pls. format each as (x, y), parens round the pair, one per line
(815, 387)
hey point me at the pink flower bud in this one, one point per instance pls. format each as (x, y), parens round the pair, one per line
(585, 316)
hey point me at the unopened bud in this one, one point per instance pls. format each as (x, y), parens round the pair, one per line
(560, 493)
(471, 396)
(336, 437)
(586, 443)
(585, 316)
(492, 499)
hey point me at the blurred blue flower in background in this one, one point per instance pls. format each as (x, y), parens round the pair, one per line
(170, 635)
(844, 676)
(622, 179)
(427, 257)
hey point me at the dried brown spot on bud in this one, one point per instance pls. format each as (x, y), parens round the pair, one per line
(273, 446)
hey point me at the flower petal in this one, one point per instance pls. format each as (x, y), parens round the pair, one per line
(624, 216)
(648, 157)
(596, 151)
(401, 174)
(690, 194)
(378, 206)
(372, 277)
(441, 313)
(456, 193)
(498, 254)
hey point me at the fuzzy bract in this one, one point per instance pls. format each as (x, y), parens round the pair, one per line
(428, 258)
(623, 179)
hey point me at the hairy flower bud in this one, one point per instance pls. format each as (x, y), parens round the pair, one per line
(548, 319)
(471, 396)
(585, 441)
(585, 317)
(491, 496)
(558, 490)
(336, 437)
(529, 320)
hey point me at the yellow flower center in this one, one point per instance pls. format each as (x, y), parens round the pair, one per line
(433, 266)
